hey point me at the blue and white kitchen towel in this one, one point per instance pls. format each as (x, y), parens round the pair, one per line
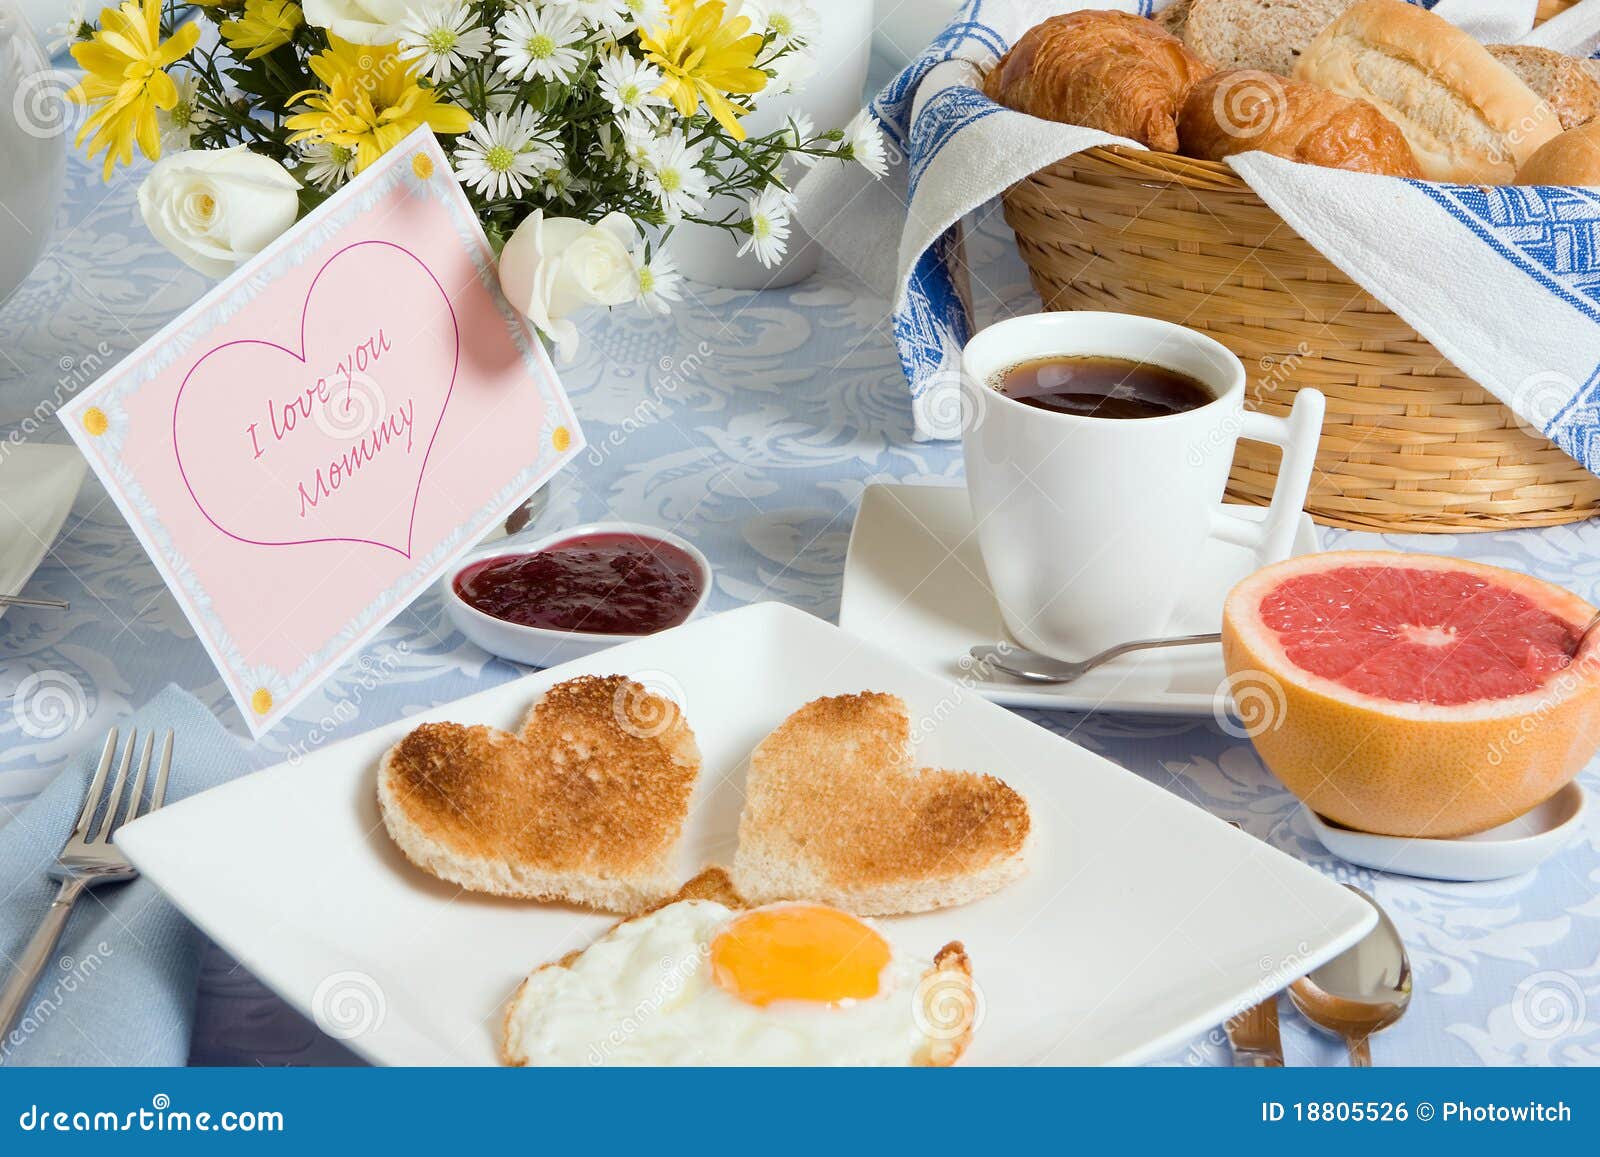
(1505, 281)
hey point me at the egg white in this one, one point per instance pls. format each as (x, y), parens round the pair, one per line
(644, 995)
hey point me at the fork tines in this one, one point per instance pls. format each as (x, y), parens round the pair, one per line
(99, 819)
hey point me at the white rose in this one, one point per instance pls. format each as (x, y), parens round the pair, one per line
(362, 21)
(216, 207)
(552, 267)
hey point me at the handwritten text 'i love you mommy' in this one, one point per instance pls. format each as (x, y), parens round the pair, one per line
(331, 396)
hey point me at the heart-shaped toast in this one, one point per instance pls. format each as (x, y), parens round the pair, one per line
(585, 805)
(837, 811)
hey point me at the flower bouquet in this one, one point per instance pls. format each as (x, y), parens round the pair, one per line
(583, 130)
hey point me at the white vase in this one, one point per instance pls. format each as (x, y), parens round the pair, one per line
(33, 147)
(831, 96)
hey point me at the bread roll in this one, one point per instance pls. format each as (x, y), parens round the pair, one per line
(1561, 81)
(1173, 17)
(1265, 34)
(1573, 158)
(1111, 71)
(1242, 110)
(1466, 115)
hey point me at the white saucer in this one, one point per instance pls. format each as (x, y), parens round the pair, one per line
(1508, 850)
(38, 485)
(914, 583)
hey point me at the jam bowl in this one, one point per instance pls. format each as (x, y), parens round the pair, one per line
(576, 591)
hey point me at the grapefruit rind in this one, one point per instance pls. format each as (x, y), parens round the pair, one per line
(1414, 769)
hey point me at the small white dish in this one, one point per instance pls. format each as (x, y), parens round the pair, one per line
(1508, 850)
(38, 485)
(914, 583)
(539, 646)
(1140, 922)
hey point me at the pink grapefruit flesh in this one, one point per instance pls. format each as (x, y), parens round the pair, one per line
(1410, 694)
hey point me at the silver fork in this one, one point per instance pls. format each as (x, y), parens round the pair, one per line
(89, 858)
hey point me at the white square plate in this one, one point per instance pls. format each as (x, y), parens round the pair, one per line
(914, 582)
(1142, 919)
(38, 484)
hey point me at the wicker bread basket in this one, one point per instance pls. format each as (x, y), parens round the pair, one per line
(1410, 444)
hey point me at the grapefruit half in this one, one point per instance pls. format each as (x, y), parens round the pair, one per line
(1412, 695)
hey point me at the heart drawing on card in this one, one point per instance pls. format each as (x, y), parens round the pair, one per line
(329, 441)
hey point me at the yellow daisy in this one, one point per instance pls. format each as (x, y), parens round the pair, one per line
(265, 25)
(124, 82)
(370, 101)
(704, 59)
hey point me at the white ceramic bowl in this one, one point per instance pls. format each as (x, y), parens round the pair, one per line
(1508, 850)
(539, 646)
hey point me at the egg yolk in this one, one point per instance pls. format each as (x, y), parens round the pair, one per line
(798, 952)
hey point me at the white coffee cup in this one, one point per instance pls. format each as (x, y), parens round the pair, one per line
(1090, 527)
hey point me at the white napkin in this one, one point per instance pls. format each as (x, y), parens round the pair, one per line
(1504, 281)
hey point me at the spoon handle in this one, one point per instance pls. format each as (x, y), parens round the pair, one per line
(1151, 645)
(1360, 1051)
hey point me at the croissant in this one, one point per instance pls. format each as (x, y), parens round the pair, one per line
(1245, 109)
(1111, 71)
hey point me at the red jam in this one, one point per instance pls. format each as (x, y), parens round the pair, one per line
(607, 584)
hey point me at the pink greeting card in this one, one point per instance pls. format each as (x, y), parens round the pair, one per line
(313, 443)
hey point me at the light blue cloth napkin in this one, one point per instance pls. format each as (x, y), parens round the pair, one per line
(121, 988)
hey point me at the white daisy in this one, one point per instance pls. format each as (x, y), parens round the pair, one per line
(787, 21)
(863, 143)
(658, 283)
(327, 165)
(799, 131)
(646, 14)
(630, 84)
(178, 124)
(504, 153)
(769, 225)
(636, 134)
(538, 42)
(674, 175)
(608, 16)
(64, 33)
(442, 38)
(557, 183)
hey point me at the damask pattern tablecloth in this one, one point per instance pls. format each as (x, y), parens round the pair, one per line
(750, 423)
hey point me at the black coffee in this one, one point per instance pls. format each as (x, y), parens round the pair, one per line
(1102, 387)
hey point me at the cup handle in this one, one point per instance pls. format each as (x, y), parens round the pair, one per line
(1272, 538)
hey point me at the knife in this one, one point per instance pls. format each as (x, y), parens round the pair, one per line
(1253, 1034)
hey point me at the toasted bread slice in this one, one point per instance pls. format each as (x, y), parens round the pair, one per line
(946, 992)
(836, 811)
(585, 806)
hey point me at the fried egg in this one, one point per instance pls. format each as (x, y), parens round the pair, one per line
(698, 983)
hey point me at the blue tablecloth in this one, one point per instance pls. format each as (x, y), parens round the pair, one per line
(771, 412)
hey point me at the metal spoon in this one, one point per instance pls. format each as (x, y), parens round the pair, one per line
(19, 601)
(1584, 634)
(1361, 991)
(1031, 665)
